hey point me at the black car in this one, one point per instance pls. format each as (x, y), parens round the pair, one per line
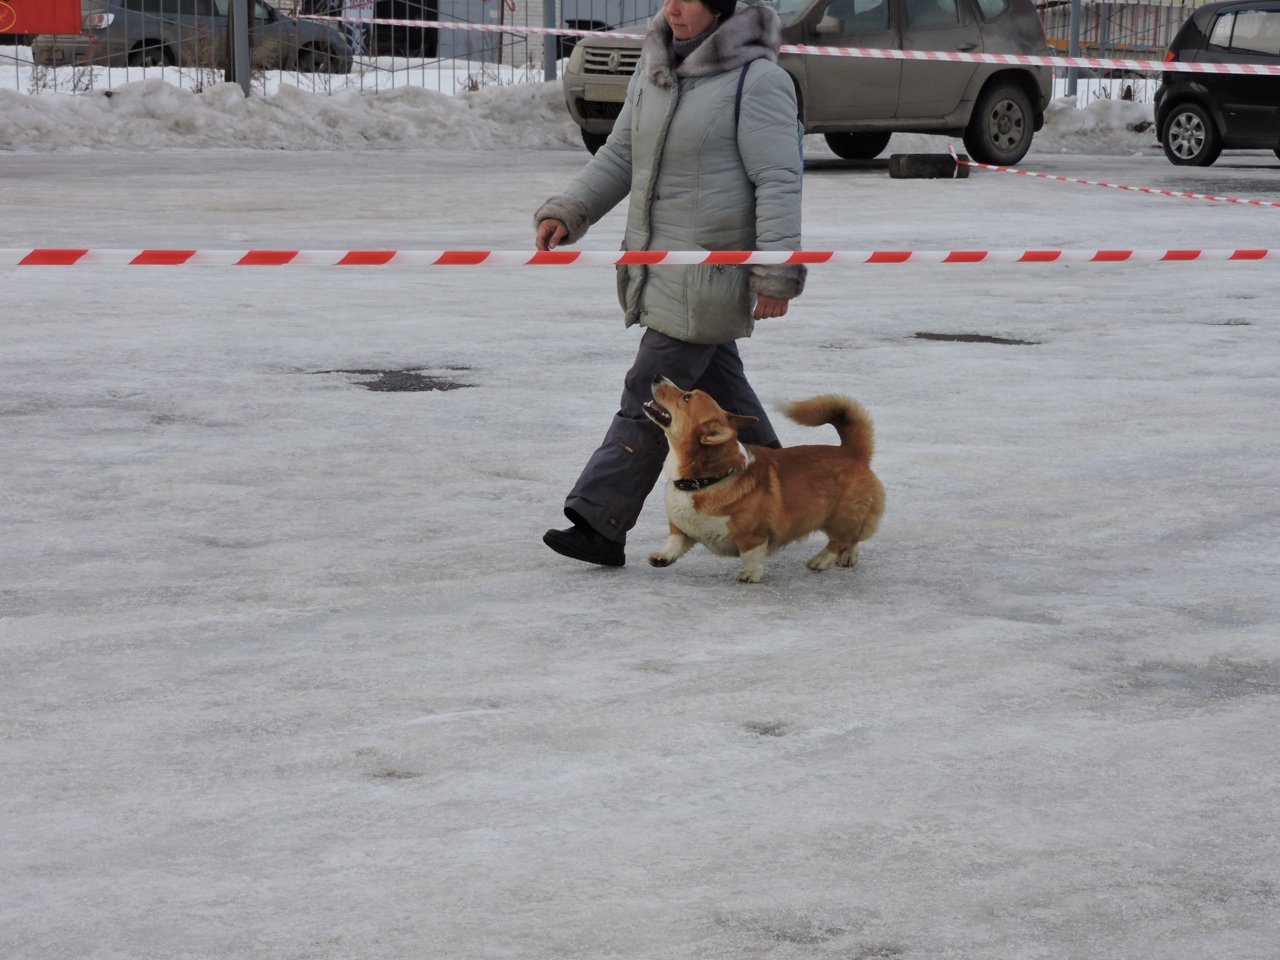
(1200, 114)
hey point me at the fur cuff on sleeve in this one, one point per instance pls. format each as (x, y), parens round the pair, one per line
(781, 280)
(568, 210)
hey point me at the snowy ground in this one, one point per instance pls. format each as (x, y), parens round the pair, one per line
(289, 674)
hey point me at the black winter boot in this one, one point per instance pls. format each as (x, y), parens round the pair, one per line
(582, 542)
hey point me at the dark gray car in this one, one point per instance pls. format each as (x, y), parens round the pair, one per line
(859, 102)
(191, 33)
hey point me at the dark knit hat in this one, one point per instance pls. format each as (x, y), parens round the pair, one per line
(723, 7)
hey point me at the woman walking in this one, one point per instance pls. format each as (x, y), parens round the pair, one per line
(707, 145)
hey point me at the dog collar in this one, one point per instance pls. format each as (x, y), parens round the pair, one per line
(701, 483)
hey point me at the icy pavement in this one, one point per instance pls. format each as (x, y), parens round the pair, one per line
(289, 674)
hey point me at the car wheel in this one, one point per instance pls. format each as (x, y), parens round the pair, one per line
(1000, 129)
(321, 60)
(1189, 137)
(151, 53)
(593, 141)
(857, 146)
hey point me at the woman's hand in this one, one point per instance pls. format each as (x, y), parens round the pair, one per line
(550, 233)
(769, 306)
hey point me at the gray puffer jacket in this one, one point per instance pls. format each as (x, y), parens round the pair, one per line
(699, 179)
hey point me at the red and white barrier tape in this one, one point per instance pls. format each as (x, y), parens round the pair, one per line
(51, 257)
(1088, 63)
(1121, 186)
(1113, 186)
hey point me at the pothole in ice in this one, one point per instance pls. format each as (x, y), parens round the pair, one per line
(976, 338)
(407, 380)
(767, 728)
(1219, 679)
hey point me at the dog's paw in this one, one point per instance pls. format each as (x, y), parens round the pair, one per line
(749, 576)
(848, 558)
(822, 560)
(677, 546)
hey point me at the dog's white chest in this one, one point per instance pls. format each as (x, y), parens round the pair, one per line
(711, 532)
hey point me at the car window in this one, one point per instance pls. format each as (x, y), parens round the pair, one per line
(1220, 35)
(860, 16)
(1248, 31)
(990, 9)
(932, 13)
(788, 10)
(1256, 31)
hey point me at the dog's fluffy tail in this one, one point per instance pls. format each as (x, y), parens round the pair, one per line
(845, 414)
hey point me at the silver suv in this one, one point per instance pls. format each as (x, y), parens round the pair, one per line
(859, 102)
(190, 33)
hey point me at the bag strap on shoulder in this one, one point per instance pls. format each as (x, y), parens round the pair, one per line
(737, 103)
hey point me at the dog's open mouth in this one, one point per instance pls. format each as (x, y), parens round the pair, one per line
(657, 413)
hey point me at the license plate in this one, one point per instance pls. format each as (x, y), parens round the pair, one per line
(612, 92)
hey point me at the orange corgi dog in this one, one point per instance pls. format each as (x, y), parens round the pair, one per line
(746, 501)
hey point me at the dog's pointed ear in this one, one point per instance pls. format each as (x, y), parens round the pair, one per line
(717, 433)
(739, 421)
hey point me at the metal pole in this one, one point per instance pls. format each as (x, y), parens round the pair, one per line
(238, 44)
(1073, 46)
(549, 43)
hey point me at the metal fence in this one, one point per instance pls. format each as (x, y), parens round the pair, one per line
(331, 57)
(183, 42)
(1134, 31)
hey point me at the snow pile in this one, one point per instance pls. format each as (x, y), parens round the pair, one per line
(1108, 125)
(151, 114)
(1102, 127)
(154, 114)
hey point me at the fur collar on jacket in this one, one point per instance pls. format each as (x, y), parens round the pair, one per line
(753, 33)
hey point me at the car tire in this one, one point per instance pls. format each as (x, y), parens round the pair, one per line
(857, 146)
(321, 60)
(593, 141)
(1000, 129)
(1190, 137)
(151, 53)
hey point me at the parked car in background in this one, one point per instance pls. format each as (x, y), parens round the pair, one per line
(191, 33)
(384, 40)
(1200, 114)
(859, 102)
(603, 15)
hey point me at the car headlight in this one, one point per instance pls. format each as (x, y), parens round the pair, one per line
(575, 59)
(98, 21)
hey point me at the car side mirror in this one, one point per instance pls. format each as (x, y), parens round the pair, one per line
(828, 26)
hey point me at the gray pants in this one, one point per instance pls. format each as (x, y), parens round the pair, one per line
(621, 473)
